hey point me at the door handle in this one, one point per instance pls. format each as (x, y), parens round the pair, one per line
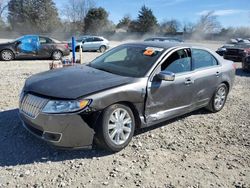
(217, 74)
(188, 81)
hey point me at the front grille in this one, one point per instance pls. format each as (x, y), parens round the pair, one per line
(31, 105)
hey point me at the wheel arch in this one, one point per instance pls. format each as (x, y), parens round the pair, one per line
(227, 84)
(135, 113)
(55, 51)
(126, 103)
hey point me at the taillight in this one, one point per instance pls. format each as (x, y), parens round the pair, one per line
(247, 51)
(66, 46)
(234, 66)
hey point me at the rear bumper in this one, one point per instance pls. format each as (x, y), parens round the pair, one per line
(60, 130)
(66, 52)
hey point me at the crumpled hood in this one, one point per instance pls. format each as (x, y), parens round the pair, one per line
(73, 82)
(6, 43)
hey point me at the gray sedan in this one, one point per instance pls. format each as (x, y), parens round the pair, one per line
(129, 87)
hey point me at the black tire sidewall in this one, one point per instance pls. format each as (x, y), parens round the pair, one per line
(213, 105)
(104, 127)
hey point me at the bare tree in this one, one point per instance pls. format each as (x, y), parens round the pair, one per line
(3, 7)
(188, 27)
(170, 27)
(208, 23)
(75, 12)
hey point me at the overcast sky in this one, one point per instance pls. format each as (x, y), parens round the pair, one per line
(229, 12)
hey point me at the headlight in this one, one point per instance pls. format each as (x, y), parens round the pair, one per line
(21, 95)
(54, 106)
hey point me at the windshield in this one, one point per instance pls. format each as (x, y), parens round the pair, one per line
(128, 60)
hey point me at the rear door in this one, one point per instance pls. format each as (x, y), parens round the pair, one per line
(167, 99)
(45, 48)
(207, 76)
(97, 42)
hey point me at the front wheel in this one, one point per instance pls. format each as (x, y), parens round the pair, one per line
(116, 128)
(7, 55)
(219, 98)
(57, 55)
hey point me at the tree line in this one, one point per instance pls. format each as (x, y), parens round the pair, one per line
(82, 16)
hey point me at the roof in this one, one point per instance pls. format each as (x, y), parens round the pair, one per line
(165, 45)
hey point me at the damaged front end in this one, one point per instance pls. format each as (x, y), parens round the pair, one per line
(64, 130)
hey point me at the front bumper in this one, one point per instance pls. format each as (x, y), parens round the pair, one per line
(60, 130)
(220, 52)
(234, 58)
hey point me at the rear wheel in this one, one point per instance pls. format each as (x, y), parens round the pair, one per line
(102, 49)
(57, 55)
(219, 98)
(116, 127)
(7, 55)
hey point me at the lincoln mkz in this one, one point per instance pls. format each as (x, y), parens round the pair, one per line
(129, 87)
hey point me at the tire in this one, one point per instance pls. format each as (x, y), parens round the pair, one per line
(219, 98)
(7, 55)
(77, 49)
(57, 55)
(102, 49)
(113, 133)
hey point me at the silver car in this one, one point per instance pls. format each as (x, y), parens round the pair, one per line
(91, 43)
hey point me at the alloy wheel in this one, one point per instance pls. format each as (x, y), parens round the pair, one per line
(119, 126)
(220, 97)
(7, 55)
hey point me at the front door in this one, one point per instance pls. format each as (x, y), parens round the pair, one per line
(167, 99)
(27, 47)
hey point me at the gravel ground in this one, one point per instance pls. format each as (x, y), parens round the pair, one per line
(200, 149)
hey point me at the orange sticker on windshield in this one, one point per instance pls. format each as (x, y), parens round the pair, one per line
(149, 52)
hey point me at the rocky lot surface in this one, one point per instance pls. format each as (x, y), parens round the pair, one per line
(200, 149)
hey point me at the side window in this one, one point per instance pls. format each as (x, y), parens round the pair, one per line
(118, 56)
(97, 39)
(44, 40)
(89, 40)
(202, 59)
(178, 62)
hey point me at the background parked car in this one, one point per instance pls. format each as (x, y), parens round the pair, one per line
(33, 46)
(222, 49)
(91, 43)
(237, 52)
(164, 39)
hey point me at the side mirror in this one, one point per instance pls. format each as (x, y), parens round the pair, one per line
(166, 76)
(18, 42)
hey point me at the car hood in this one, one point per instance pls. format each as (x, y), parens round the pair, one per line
(6, 43)
(73, 82)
